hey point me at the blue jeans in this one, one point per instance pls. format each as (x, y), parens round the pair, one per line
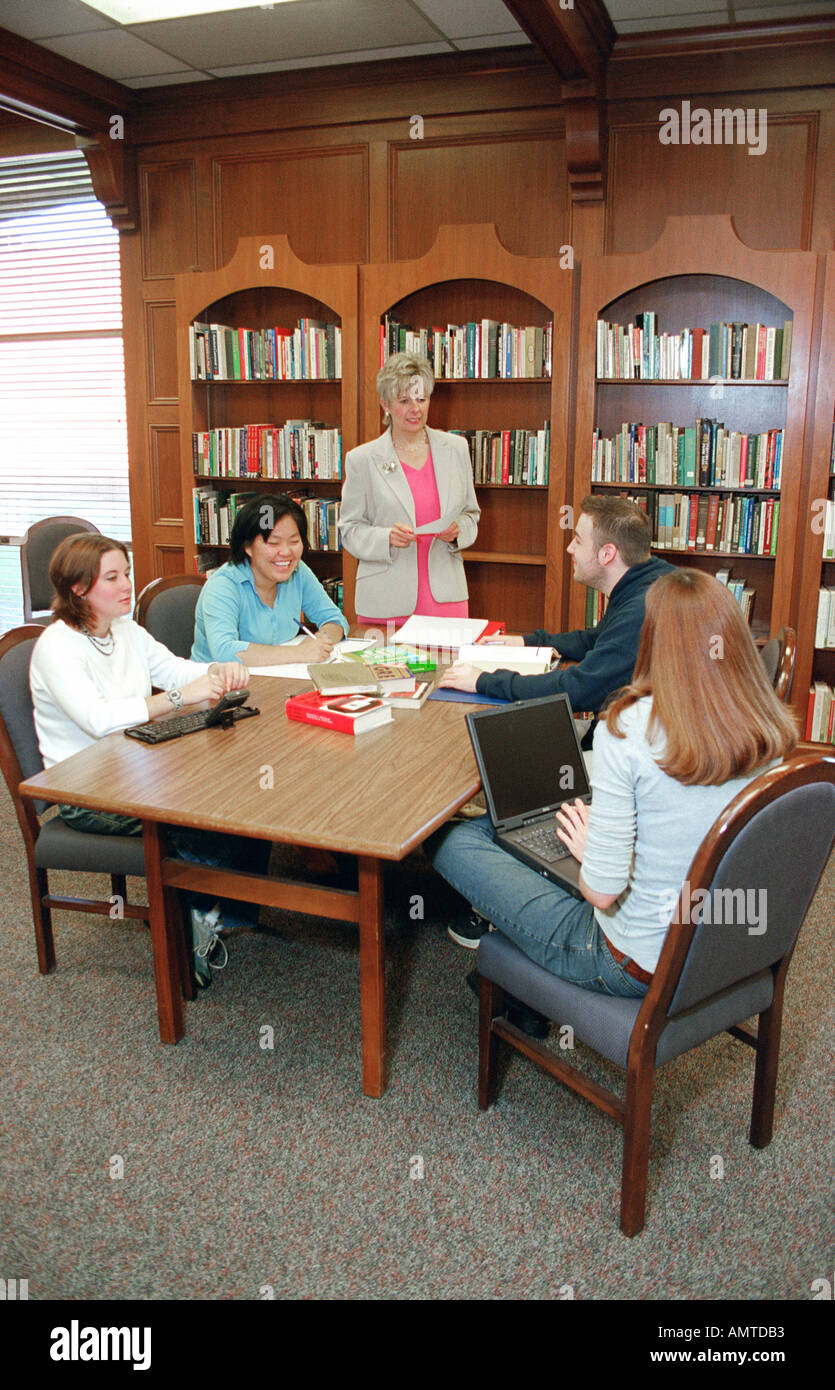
(197, 846)
(551, 926)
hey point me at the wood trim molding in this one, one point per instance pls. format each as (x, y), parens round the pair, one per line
(51, 89)
(576, 41)
(585, 141)
(112, 165)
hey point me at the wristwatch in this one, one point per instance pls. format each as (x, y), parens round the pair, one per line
(175, 699)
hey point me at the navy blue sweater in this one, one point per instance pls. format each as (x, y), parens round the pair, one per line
(605, 654)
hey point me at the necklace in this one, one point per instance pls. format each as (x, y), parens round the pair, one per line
(415, 444)
(106, 644)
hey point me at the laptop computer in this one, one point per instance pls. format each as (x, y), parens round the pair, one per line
(530, 762)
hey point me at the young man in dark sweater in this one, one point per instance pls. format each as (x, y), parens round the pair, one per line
(611, 552)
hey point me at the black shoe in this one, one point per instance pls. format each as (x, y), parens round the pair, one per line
(526, 1019)
(471, 932)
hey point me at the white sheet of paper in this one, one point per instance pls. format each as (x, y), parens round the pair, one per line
(495, 656)
(297, 672)
(440, 632)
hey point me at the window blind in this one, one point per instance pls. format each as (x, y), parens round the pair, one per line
(63, 440)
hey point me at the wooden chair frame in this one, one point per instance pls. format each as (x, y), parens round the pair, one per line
(43, 901)
(783, 680)
(633, 1111)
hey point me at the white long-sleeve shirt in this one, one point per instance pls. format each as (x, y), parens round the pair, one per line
(79, 694)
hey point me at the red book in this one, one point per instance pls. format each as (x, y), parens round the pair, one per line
(492, 630)
(349, 714)
(693, 520)
(505, 456)
(696, 360)
(712, 515)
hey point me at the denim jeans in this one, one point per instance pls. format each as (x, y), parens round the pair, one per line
(551, 926)
(197, 846)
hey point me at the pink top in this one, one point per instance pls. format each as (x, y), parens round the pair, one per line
(424, 490)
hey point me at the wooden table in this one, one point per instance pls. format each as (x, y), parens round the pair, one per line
(376, 796)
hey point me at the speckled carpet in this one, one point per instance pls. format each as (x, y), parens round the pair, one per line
(229, 1168)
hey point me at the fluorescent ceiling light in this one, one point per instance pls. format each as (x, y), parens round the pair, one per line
(143, 11)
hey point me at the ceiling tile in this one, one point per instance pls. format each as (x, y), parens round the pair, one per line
(778, 9)
(331, 59)
(46, 19)
(493, 40)
(115, 53)
(167, 79)
(300, 30)
(468, 18)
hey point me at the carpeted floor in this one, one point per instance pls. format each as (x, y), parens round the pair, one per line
(249, 1169)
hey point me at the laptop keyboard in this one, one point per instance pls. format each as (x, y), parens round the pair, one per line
(159, 730)
(542, 839)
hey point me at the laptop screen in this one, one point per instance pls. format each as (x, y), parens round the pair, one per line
(529, 757)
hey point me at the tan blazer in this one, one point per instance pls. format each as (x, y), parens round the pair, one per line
(376, 496)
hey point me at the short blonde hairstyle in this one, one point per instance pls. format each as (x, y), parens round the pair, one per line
(399, 372)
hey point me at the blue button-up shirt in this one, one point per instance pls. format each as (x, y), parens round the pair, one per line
(230, 614)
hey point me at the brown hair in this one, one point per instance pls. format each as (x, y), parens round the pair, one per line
(617, 521)
(711, 698)
(77, 561)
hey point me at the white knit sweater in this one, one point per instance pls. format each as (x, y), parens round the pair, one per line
(80, 694)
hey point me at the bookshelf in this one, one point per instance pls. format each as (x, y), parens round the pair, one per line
(264, 286)
(514, 568)
(698, 273)
(815, 663)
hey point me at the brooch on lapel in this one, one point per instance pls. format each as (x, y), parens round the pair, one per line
(389, 466)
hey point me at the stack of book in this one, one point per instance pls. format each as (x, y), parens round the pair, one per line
(472, 350)
(311, 351)
(829, 530)
(730, 351)
(509, 456)
(596, 604)
(825, 625)
(693, 521)
(296, 449)
(740, 591)
(820, 715)
(706, 454)
(215, 512)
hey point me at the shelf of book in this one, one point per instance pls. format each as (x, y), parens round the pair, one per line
(267, 356)
(469, 281)
(710, 295)
(815, 664)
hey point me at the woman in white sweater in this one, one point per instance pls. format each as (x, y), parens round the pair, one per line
(91, 674)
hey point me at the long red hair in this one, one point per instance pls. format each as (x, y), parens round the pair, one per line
(711, 698)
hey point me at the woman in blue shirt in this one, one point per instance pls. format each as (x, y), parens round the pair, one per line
(252, 606)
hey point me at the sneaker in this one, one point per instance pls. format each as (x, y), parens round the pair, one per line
(470, 934)
(210, 951)
(522, 1016)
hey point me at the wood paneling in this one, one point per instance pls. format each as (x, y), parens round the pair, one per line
(161, 340)
(166, 497)
(169, 559)
(769, 196)
(317, 198)
(169, 218)
(517, 182)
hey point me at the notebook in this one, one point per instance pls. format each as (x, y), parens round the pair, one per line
(530, 761)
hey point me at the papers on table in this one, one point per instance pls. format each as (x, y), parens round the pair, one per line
(420, 631)
(527, 661)
(295, 671)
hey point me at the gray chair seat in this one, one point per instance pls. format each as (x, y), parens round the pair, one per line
(58, 846)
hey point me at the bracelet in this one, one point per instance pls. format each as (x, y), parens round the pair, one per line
(175, 698)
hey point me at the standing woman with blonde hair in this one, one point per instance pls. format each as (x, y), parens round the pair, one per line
(698, 722)
(412, 477)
